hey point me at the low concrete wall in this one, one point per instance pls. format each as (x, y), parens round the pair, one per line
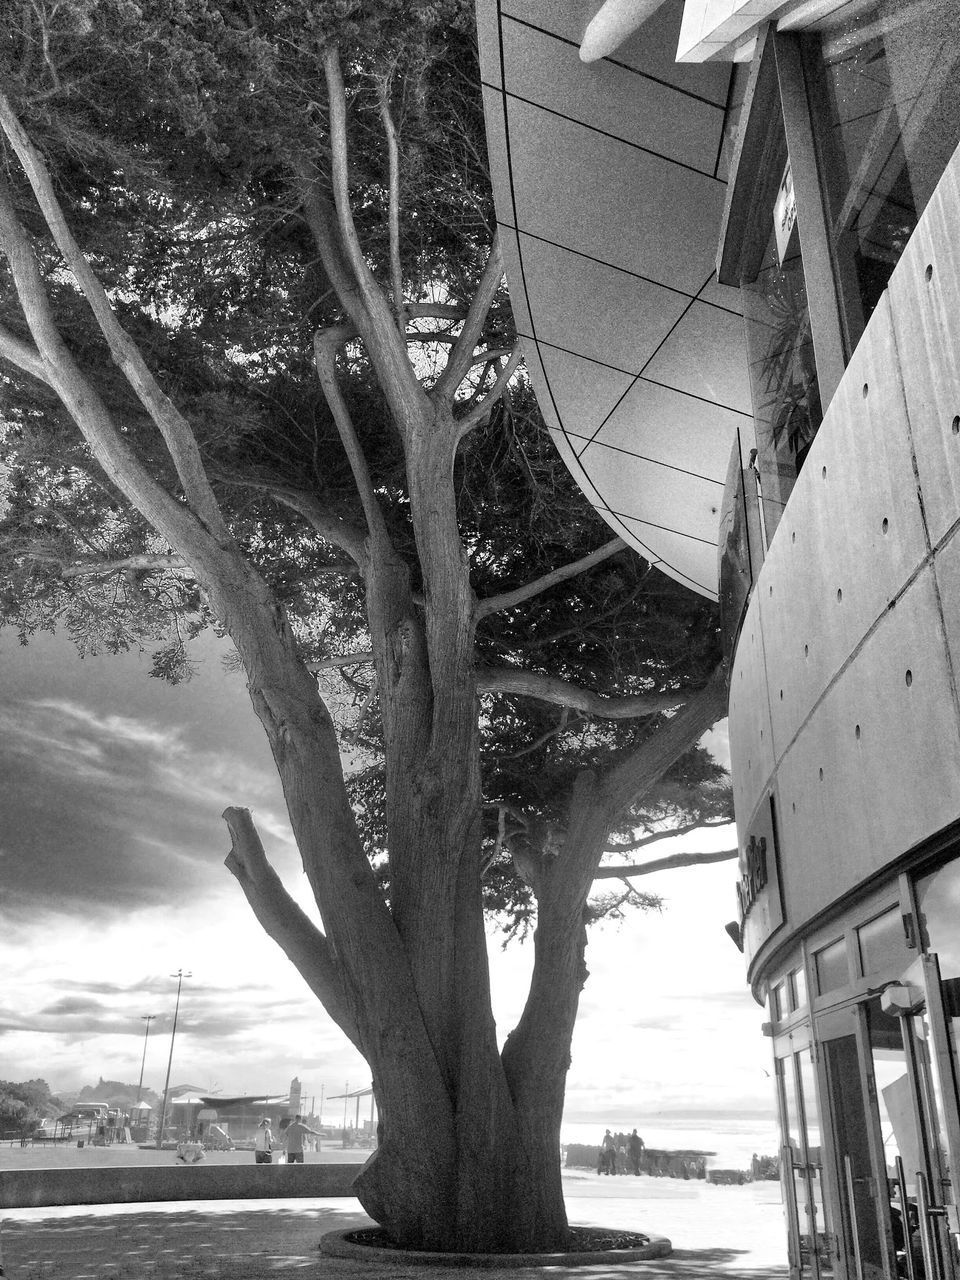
(133, 1184)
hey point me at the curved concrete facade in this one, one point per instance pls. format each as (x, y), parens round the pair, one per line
(844, 708)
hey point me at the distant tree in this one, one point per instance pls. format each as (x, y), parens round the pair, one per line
(117, 1094)
(23, 1105)
(261, 373)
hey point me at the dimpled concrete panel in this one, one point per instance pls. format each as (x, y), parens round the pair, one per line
(886, 788)
(925, 299)
(833, 528)
(751, 738)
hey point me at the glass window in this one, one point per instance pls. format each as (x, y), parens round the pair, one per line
(883, 943)
(798, 980)
(832, 970)
(938, 900)
(885, 83)
(938, 897)
(778, 1002)
(780, 359)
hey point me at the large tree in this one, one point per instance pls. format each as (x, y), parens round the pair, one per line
(261, 371)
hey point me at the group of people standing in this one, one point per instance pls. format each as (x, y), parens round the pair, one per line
(290, 1145)
(624, 1151)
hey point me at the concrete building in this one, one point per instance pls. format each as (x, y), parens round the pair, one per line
(732, 238)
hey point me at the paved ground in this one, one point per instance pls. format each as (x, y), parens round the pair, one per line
(718, 1232)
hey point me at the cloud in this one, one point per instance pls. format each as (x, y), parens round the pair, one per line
(106, 811)
(73, 1004)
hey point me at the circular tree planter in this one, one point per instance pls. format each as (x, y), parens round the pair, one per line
(371, 1245)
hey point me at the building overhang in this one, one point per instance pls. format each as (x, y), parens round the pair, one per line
(609, 186)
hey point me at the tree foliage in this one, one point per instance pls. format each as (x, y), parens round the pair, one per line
(25, 1103)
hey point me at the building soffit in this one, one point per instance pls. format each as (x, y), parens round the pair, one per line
(609, 189)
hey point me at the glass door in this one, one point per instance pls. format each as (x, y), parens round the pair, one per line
(927, 1185)
(811, 1243)
(864, 1231)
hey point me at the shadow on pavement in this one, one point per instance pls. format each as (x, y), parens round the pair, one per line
(264, 1240)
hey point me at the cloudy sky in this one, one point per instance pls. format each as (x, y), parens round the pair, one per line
(112, 879)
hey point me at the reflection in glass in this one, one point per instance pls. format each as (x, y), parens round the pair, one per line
(780, 359)
(898, 1129)
(799, 988)
(821, 1224)
(883, 944)
(861, 1240)
(832, 969)
(886, 81)
(938, 899)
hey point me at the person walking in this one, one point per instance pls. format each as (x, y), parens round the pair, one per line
(635, 1151)
(263, 1145)
(608, 1154)
(293, 1137)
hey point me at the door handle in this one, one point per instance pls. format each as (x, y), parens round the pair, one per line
(925, 1212)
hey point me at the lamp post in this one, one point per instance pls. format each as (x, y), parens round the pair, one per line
(179, 975)
(147, 1018)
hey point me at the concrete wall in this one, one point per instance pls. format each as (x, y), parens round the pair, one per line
(844, 693)
(134, 1184)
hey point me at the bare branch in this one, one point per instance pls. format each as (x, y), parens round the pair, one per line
(477, 414)
(80, 398)
(633, 777)
(284, 920)
(385, 344)
(434, 311)
(461, 358)
(325, 345)
(669, 863)
(533, 684)
(174, 428)
(495, 604)
(341, 660)
(101, 568)
(22, 354)
(656, 836)
(393, 215)
(326, 525)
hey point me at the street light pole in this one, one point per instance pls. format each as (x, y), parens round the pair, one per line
(147, 1018)
(179, 975)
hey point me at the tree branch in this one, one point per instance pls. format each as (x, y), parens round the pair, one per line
(434, 311)
(672, 834)
(285, 922)
(79, 397)
(633, 777)
(325, 345)
(461, 357)
(174, 428)
(326, 525)
(393, 215)
(85, 569)
(341, 660)
(496, 604)
(386, 346)
(22, 354)
(534, 684)
(476, 415)
(668, 863)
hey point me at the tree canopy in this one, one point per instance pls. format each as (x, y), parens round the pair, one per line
(262, 374)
